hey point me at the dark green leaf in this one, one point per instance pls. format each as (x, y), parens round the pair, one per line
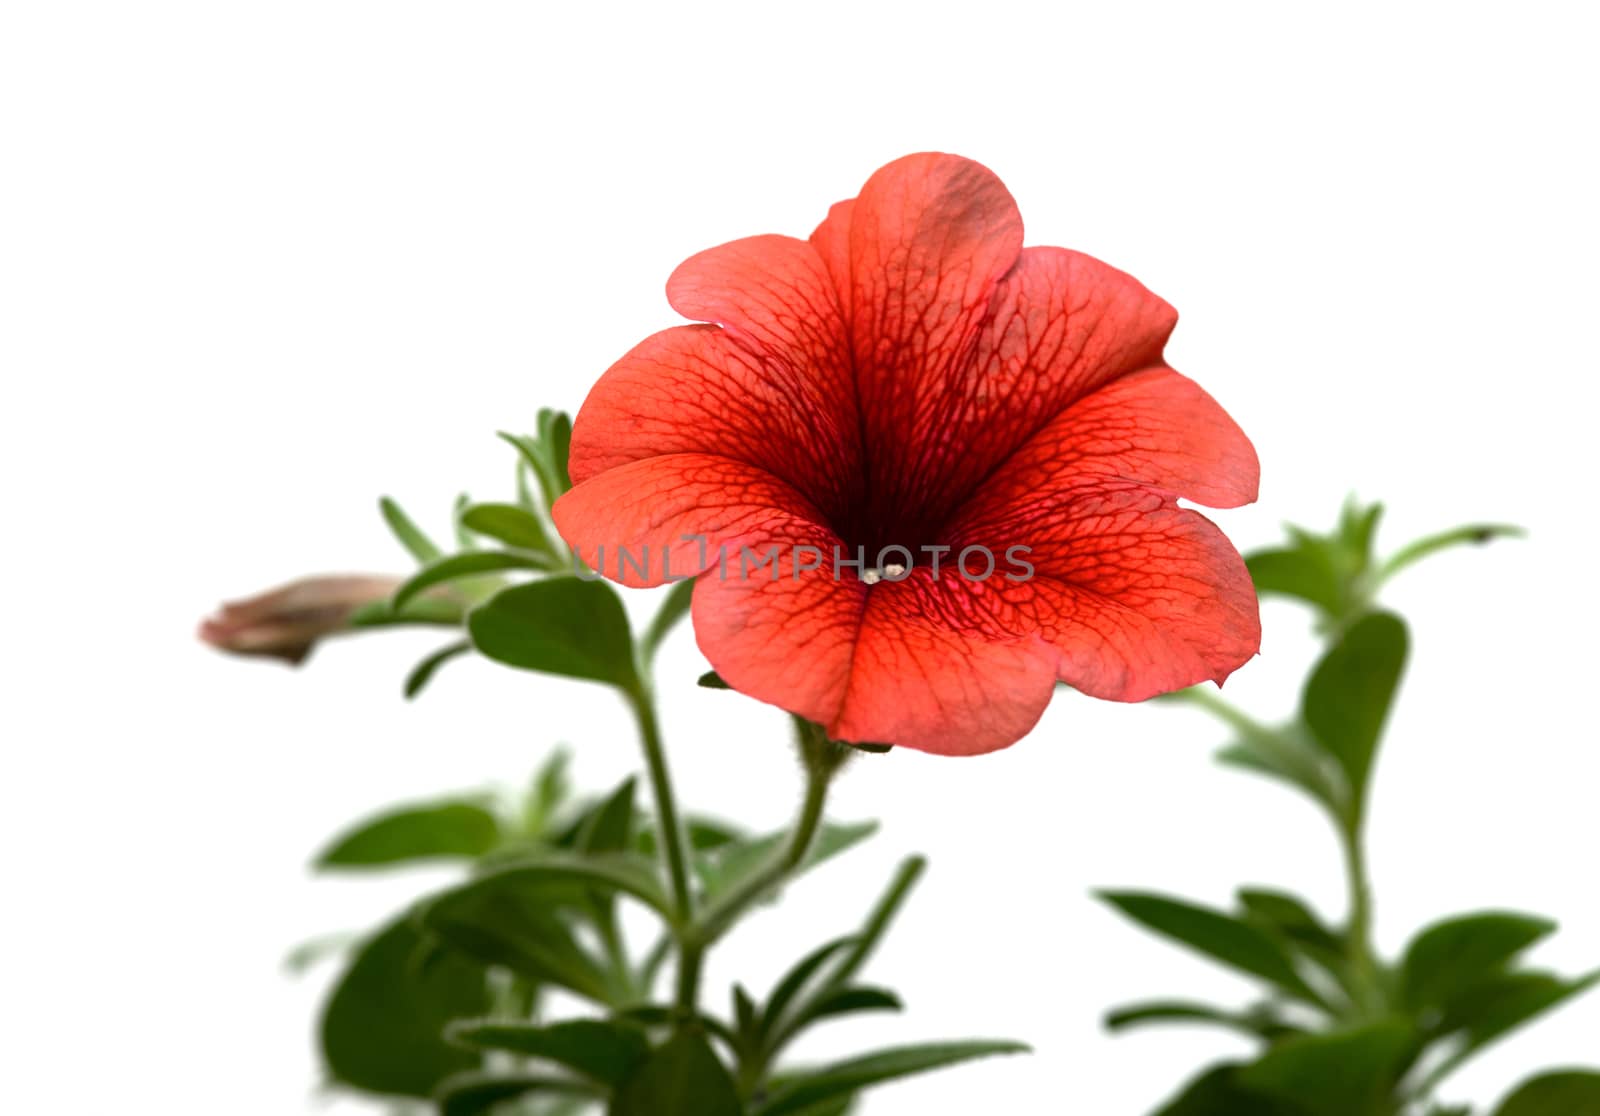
(848, 1000)
(470, 563)
(682, 1078)
(610, 827)
(1219, 1093)
(795, 980)
(1216, 935)
(551, 788)
(1477, 533)
(1292, 920)
(555, 442)
(1347, 700)
(1457, 953)
(507, 523)
(383, 1026)
(600, 1049)
(849, 1077)
(880, 918)
(1573, 1093)
(424, 671)
(662, 1015)
(746, 1019)
(1495, 1007)
(711, 680)
(674, 607)
(410, 535)
(562, 625)
(410, 833)
(476, 1093)
(1349, 1073)
(703, 832)
(723, 867)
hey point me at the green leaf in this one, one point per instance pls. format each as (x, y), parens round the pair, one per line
(519, 916)
(507, 523)
(681, 1078)
(422, 548)
(1572, 1093)
(880, 918)
(1348, 1073)
(561, 625)
(1291, 919)
(848, 1077)
(723, 867)
(1256, 1024)
(1495, 1007)
(1474, 534)
(795, 980)
(848, 1000)
(605, 1051)
(555, 441)
(552, 786)
(703, 832)
(476, 1093)
(471, 563)
(1348, 697)
(1458, 952)
(711, 680)
(1358, 528)
(1305, 573)
(1218, 1092)
(382, 1028)
(1216, 935)
(674, 607)
(411, 833)
(424, 671)
(662, 1015)
(610, 827)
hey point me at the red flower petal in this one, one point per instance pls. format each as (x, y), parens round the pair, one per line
(1140, 596)
(919, 663)
(630, 522)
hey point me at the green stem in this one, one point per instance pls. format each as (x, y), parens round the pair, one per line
(1369, 993)
(673, 846)
(822, 758)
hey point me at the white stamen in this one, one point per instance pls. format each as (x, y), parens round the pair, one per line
(872, 577)
(894, 571)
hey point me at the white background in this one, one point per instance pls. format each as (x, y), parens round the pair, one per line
(260, 263)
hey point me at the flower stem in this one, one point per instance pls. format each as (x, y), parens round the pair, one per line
(1369, 994)
(822, 758)
(669, 825)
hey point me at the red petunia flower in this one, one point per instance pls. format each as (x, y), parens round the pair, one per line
(912, 377)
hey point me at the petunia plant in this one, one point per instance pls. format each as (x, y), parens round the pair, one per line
(908, 477)
(1342, 1030)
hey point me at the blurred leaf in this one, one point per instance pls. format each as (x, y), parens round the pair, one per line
(1495, 1007)
(518, 916)
(316, 950)
(605, 1051)
(424, 671)
(703, 832)
(662, 1015)
(610, 828)
(430, 611)
(1572, 1093)
(552, 786)
(1216, 935)
(682, 1078)
(711, 680)
(1477, 533)
(1218, 1092)
(1255, 1024)
(1348, 697)
(410, 535)
(746, 1019)
(470, 563)
(1458, 952)
(1349, 1073)
(561, 625)
(1292, 919)
(1305, 573)
(723, 867)
(464, 539)
(848, 1077)
(410, 833)
(475, 1093)
(880, 919)
(383, 1026)
(1358, 528)
(509, 524)
(674, 607)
